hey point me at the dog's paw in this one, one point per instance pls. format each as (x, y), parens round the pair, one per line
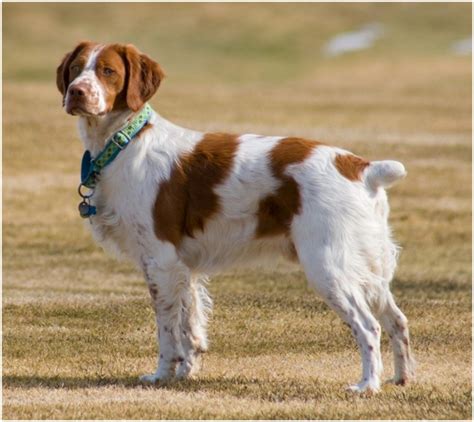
(189, 367)
(150, 378)
(184, 370)
(402, 381)
(366, 387)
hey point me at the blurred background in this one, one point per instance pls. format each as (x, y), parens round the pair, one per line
(385, 80)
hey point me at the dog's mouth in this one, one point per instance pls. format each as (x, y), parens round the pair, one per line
(77, 109)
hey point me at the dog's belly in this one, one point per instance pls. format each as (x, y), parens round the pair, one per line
(231, 242)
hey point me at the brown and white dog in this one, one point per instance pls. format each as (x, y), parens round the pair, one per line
(182, 204)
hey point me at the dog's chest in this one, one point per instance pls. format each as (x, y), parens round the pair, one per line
(109, 228)
(123, 221)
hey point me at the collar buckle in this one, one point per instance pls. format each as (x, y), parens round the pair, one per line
(117, 144)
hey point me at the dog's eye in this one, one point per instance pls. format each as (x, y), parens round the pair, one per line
(75, 68)
(108, 71)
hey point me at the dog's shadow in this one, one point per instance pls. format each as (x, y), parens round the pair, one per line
(71, 383)
(238, 386)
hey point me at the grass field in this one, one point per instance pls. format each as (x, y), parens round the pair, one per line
(77, 326)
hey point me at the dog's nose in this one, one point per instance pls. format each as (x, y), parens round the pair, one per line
(77, 91)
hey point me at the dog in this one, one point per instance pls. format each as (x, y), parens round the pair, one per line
(182, 204)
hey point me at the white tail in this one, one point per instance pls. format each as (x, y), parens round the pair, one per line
(384, 173)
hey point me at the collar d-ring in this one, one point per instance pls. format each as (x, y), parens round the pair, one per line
(85, 195)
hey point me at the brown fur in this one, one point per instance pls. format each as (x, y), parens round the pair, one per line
(153, 292)
(134, 81)
(77, 56)
(277, 210)
(114, 83)
(350, 166)
(144, 77)
(187, 200)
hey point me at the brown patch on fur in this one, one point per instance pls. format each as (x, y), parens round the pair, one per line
(111, 58)
(144, 76)
(187, 200)
(153, 292)
(402, 381)
(350, 166)
(276, 211)
(134, 80)
(399, 327)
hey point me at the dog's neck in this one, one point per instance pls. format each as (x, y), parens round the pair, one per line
(94, 131)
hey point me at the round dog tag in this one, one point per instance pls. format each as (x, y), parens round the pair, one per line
(86, 210)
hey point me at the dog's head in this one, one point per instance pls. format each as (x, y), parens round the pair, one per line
(96, 79)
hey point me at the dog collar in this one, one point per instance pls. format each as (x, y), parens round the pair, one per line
(91, 167)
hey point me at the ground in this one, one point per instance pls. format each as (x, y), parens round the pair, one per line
(78, 329)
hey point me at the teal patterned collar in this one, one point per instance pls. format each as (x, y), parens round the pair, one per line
(91, 168)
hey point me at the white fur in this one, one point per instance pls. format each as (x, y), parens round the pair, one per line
(341, 236)
(384, 173)
(89, 81)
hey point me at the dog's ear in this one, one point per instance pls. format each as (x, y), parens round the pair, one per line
(62, 72)
(144, 76)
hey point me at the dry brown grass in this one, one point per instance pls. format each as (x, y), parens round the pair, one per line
(77, 328)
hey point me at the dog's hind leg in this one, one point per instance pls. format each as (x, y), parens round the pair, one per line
(354, 311)
(395, 323)
(392, 318)
(346, 298)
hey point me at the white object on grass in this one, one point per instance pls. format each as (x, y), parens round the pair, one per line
(462, 47)
(356, 40)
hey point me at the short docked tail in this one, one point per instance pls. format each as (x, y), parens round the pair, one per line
(384, 173)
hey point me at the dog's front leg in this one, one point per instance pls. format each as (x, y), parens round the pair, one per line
(167, 289)
(196, 306)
